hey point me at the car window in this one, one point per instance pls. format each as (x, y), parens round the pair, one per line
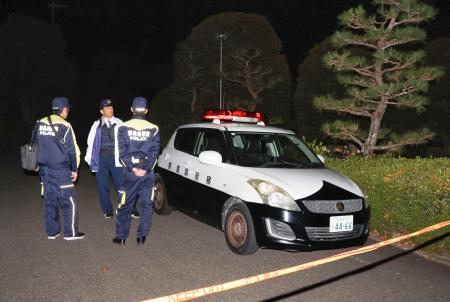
(287, 151)
(272, 150)
(211, 140)
(185, 140)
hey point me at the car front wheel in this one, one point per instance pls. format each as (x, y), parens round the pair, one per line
(239, 230)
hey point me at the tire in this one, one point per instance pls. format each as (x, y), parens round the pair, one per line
(239, 230)
(160, 203)
(363, 239)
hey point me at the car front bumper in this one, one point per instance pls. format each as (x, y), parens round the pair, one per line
(300, 230)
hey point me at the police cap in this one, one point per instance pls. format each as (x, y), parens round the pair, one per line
(60, 102)
(139, 104)
(105, 103)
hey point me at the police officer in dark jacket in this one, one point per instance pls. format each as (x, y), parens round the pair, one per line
(138, 142)
(58, 159)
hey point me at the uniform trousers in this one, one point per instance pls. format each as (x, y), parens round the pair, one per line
(106, 167)
(131, 187)
(59, 191)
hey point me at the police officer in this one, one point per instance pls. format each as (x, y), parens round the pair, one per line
(138, 142)
(58, 159)
(102, 155)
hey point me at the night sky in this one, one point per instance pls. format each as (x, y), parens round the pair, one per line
(151, 29)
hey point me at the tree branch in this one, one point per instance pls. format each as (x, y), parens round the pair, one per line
(405, 91)
(361, 71)
(354, 111)
(408, 21)
(410, 141)
(355, 139)
(357, 26)
(397, 67)
(397, 42)
(387, 147)
(391, 24)
(348, 135)
(360, 43)
(361, 83)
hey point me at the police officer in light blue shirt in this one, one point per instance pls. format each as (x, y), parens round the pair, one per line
(102, 155)
(138, 142)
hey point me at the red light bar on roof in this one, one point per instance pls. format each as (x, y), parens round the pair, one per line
(233, 116)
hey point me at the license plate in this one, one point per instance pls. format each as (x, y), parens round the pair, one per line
(341, 223)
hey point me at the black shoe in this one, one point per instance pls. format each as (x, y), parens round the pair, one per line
(108, 215)
(118, 241)
(136, 214)
(141, 240)
(76, 237)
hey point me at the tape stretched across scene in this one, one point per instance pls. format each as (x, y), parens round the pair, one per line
(214, 289)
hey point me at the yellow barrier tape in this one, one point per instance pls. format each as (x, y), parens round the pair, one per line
(214, 289)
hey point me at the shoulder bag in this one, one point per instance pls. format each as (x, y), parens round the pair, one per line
(29, 152)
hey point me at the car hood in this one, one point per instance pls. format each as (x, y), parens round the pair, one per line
(301, 183)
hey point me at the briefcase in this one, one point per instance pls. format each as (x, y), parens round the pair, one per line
(29, 156)
(29, 152)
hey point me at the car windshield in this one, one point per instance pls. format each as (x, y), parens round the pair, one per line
(272, 150)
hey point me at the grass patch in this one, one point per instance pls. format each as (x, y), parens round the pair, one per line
(404, 194)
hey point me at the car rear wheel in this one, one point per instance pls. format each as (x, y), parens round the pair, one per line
(239, 230)
(160, 203)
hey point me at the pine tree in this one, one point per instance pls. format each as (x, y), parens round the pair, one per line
(378, 62)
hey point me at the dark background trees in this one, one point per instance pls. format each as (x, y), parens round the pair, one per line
(314, 79)
(33, 69)
(144, 35)
(255, 73)
(437, 116)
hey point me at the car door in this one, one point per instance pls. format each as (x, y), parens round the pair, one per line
(210, 179)
(179, 162)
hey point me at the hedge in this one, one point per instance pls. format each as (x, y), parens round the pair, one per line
(404, 194)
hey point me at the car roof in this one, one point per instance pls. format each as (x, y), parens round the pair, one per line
(238, 127)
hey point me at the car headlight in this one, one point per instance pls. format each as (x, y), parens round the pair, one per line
(366, 201)
(274, 195)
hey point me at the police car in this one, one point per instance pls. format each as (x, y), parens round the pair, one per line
(260, 184)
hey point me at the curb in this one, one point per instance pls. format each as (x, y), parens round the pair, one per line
(424, 254)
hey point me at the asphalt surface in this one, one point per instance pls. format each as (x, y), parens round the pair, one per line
(180, 254)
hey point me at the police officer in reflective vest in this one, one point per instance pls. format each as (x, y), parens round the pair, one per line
(58, 159)
(138, 142)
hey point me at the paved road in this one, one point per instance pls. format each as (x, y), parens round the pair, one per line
(181, 254)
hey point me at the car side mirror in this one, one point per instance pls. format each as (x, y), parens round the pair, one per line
(210, 157)
(322, 159)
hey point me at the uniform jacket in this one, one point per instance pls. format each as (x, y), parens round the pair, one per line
(138, 143)
(93, 144)
(58, 151)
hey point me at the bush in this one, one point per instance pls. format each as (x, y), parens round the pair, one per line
(405, 194)
(317, 147)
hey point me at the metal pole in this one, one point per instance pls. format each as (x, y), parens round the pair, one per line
(220, 84)
(221, 36)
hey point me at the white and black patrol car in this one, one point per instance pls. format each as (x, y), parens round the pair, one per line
(260, 184)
